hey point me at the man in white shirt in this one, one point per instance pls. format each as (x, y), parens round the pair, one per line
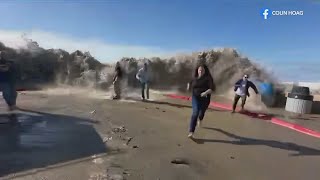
(143, 77)
(242, 91)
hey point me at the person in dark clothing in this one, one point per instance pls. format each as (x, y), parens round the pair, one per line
(8, 82)
(241, 89)
(202, 86)
(117, 81)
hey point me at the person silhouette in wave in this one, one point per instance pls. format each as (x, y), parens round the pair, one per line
(117, 81)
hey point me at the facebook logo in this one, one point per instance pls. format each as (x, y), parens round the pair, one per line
(265, 13)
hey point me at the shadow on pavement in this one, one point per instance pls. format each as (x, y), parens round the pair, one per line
(37, 140)
(258, 115)
(262, 116)
(169, 104)
(239, 140)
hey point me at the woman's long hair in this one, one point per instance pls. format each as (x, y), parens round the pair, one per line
(206, 74)
(206, 71)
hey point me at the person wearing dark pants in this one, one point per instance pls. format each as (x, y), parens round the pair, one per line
(8, 82)
(202, 86)
(236, 100)
(9, 94)
(143, 77)
(199, 107)
(241, 89)
(117, 81)
(144, 87)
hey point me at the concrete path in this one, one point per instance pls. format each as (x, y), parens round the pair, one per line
(148, 140)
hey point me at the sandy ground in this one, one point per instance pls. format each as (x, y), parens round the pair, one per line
(84, 135)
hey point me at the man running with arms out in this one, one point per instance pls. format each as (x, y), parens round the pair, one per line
(241, 89)
(7, 82)
(143, 77)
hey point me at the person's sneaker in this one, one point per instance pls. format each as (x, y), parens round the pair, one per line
(190, 135)
(232, 112)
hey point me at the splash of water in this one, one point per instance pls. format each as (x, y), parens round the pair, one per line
(225, 65)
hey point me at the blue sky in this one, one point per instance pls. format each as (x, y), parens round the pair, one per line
(114, 28)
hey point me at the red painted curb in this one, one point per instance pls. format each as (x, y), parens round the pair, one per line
(295, 127)
(276, 121)
(174, 96)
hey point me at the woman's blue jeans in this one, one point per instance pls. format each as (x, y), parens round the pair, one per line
(199, 107)
(9, 93)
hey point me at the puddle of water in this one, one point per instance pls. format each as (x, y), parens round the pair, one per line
(37, 141)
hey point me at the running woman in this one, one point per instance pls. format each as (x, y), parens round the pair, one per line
(202, 86)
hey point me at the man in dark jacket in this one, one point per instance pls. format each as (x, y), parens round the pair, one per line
(7, 82)
(117, 81)
(241, 89)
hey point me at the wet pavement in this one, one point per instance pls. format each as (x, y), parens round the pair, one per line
(62, 137)
(38, 140)
(228, 146)
(310, 121)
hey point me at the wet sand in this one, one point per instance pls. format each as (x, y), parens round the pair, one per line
(77, 136)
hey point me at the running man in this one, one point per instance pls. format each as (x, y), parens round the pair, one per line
(143, 77)
(202, 86)
(241, 89)
(8, 82)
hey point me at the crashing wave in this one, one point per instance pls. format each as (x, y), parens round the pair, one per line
(55, 66)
